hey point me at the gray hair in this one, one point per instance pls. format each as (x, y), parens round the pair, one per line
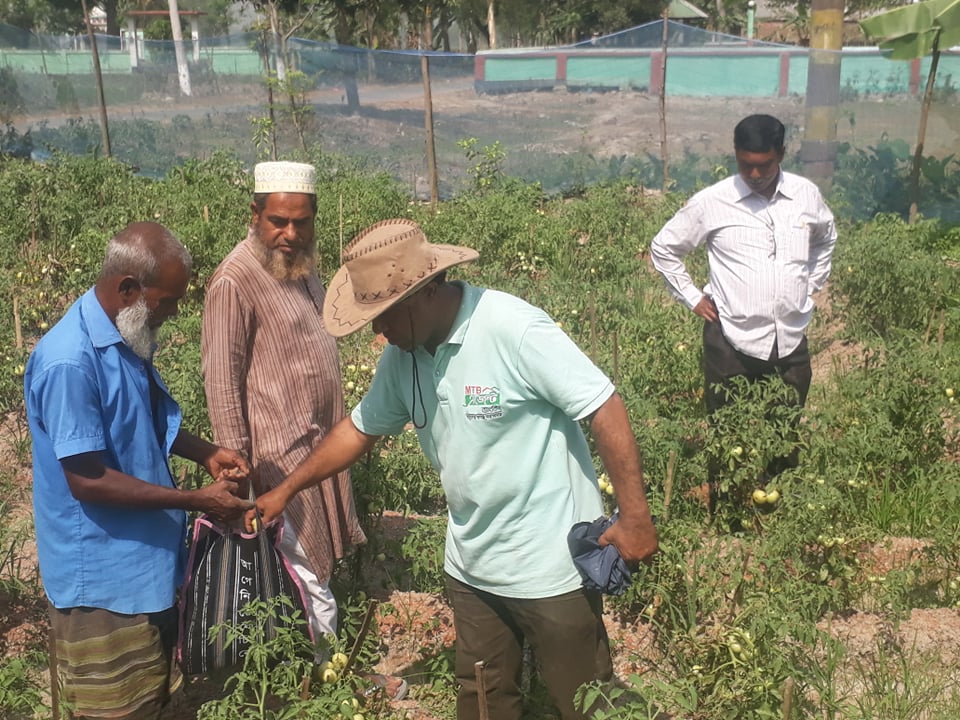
(141, 250)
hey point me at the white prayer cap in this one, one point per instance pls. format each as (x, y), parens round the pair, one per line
(291, 177)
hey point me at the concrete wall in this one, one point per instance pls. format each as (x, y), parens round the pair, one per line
(761, 71)
(706, 72)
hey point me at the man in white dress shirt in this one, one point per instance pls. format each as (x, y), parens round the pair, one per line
(769, 238)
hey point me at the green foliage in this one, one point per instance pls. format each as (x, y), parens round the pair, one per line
(759, 425)
(422, 548)
(279, 680)
(877, 438)
(21, 695)
(889, 280)
(487, 170)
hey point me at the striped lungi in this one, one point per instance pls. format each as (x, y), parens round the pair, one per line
(115, 666)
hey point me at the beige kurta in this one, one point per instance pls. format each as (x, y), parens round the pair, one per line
(273, 386)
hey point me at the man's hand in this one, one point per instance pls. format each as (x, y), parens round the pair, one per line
(227, 464)
(271, 506)
(220, 502)
(707, 309)
(636, 540)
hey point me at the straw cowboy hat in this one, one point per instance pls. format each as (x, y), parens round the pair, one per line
(384, 264)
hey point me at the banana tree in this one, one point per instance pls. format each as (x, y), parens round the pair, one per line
(912, 32)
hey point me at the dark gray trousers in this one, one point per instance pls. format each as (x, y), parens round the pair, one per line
(566, 634)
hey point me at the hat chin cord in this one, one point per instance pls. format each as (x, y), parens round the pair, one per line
(416, 389)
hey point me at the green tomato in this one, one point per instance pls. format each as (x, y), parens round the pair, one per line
(759, 496)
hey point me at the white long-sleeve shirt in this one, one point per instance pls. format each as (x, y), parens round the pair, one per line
(766, 258)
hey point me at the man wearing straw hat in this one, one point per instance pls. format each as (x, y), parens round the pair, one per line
(272, 376)
(494, 390)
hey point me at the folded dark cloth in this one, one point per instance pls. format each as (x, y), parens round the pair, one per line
(601, 568)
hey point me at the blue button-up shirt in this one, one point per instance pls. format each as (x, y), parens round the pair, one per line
(86, 391)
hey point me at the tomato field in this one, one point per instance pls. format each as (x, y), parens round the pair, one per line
(835, 594)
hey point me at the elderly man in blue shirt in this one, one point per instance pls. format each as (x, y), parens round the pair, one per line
(110, 520)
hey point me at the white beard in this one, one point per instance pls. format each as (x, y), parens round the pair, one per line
(134, 325)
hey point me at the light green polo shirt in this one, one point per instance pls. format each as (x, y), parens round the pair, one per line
(501, 398)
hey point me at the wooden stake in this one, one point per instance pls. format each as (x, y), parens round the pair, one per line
(481, 690)
(593, 328)
(616, 359)
(17, 330)
(432, 173)
(364, 629)
(54, 677)
(668, 484)
(101, 102)
(787, 708)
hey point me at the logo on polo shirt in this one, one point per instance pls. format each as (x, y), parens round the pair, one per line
(482, 402)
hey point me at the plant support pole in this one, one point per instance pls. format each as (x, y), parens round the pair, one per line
(104, 129)
(428, 124)
(428, 116)
(662, 97)
(481, 690)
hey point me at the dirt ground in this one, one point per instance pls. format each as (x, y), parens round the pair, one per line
(546, 136)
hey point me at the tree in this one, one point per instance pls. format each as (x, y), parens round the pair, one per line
(910, 33)
(285, 18)
(42, 16)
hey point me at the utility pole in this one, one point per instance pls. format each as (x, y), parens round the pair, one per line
(818, 150)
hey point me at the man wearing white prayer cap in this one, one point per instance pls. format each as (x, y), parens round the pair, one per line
(272, 376)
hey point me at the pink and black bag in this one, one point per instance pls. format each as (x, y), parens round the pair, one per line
(227, 569)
